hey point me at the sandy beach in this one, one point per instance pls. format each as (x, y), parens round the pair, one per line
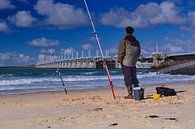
(95, 109)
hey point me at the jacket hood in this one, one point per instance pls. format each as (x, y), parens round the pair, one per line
(130, 38)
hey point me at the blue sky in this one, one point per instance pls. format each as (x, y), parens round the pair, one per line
(32, 29)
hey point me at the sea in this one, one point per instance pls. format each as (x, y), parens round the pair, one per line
(30, 80)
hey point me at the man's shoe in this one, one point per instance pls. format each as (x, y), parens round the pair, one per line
(128, 97)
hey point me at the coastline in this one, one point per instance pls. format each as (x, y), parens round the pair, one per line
(94, 88)
(95, 108)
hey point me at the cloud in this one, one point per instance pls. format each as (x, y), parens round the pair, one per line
(46, 55)
(48, 51)
(51, 51)
(69, 50)
(22, 19)
(61, 15)
(144, 15)
(184, 29)
(120, 17)
(14, 59)
(146, 52)
(91, 39)
(178, 45)
(4, 27)
(6, 4)
(170, 14)
(43, 42)
(87, 46)
(42, 58)
(188, 30)
(170, 46)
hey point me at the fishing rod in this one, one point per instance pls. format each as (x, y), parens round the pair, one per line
(59, 74)
(102, 55)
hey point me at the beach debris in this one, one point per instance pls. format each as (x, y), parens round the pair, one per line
(48, 126)
(96, 109)
(152, 116)
(156, 96)
(114, 124)
(171, 118)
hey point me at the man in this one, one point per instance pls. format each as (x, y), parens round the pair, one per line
(128, 53)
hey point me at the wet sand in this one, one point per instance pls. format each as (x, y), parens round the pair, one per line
(95, 109)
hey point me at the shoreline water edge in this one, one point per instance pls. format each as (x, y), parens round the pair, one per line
(24, 80)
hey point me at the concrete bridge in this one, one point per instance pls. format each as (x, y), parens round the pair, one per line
(82, 62)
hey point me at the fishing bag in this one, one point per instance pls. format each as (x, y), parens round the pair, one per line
(165, 91)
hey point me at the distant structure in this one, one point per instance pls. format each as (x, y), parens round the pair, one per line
(64, 61)
(159, 62)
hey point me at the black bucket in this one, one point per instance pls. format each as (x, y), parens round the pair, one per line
(138, 93)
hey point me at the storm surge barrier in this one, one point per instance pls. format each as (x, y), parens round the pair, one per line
(177, 67)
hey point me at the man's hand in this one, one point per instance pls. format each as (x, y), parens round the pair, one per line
(104, 64)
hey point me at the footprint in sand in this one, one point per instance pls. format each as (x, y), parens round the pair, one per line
(61, 119)
(114, 124)
(171, 119)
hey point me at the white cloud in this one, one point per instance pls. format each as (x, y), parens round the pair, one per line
(179, 45)
(69, 50)
(188, 31)
(170, 46)
(43, 42)
(22, 19)
(144, 15)
(46, 55)
(91, 39)
(184, 29)
(11, 59)
(6, 4)
(120, 17)
(44, 58)
(51, 51)
(4, 27)
(146, 52)
(61, 15)
(41, 56)
(48, 51)
(169, 14)
(87, 46)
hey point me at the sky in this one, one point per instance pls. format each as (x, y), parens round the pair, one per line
(30, 30)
